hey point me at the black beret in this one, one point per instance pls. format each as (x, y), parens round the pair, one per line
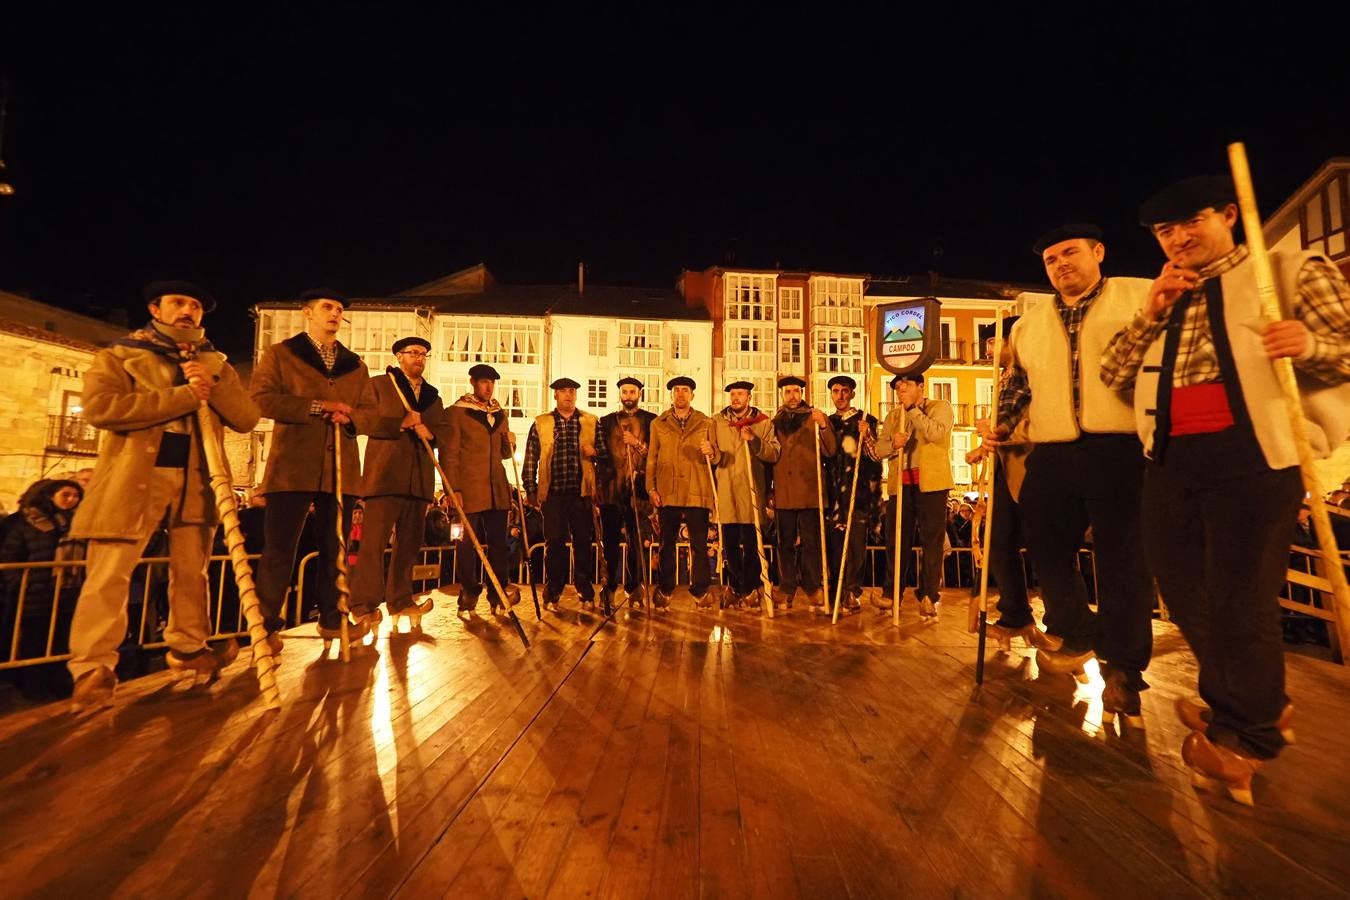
(743, 385)
(401, 343)
(679, 380)
(482, 371)
(629, 379)
(560, 384)
(1008, 323)
(1183, 199)
(917, 379)
(156, 289)
(1066, 233)
(844, 380)
(789, 380)
(322, 293)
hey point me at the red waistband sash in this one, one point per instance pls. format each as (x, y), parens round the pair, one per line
(1200, 409)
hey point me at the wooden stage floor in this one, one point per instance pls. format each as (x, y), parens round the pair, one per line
(671, 755)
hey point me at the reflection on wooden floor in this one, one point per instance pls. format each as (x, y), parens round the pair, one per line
(674, 755)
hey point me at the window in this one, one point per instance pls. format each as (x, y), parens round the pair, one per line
(520, 397)
(597, 343)
(504, 341)
(790, 307)
(1324, 219)
(749, 348)
(949, 348)
(983, 326)
(790, 352)
(836, 301)
(597, 392)
(838, 350)
(639, 344)
(984, 397)
(679, 346)
(750, 298)
(942, 389)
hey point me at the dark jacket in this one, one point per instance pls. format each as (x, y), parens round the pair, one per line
(612, 470)
(397, 464)
(475, 444)
(796, 475)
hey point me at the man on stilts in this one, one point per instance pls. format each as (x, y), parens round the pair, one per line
(917, 439)
(621, 485)
(679, 485)
(855, 433)
(398, 482)
(559, 479)
(1222, 486)
(478, 438)
(1086, 469)
(307, 384)
(740, 423)
(802, 432)
(144, 392)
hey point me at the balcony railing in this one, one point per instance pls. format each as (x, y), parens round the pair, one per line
(961, 415)
(981, 412)
(952, 351)
(71, 434)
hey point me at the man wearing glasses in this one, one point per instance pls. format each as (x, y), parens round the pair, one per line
(398, 481)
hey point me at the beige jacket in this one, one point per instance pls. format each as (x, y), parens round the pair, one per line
(676, 468)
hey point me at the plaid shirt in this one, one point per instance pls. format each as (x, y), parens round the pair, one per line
(329, 356)
(1322, 305)
(1015, 392)
(564, 471)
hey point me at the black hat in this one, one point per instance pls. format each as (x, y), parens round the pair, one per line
(789, 380)
(629, 379)
(322, 293)
(482, 371)
(560, 384)
(1183, 199)
(844, 380)
(1066, 233)
(916, 378)
(156, 289)
(401, 343)
(743, 385)
(681, 380)
(1008, 324)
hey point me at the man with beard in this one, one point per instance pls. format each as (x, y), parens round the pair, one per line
(621, 486)
(855, 432)
(737, 425)
(917, 438)
(144, 392)
(398, 481)
(478, 437)
(797, 493)
(679, 486)
(559, 478)
(307, 384)
(1087, 468)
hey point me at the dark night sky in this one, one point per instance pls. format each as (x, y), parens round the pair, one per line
(269, 151)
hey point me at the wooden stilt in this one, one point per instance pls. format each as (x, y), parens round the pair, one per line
(717, 511)
(344, 593)
(765, 582)
(524, 538)
(820, 502)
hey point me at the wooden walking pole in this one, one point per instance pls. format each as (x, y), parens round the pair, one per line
(717, 511)
(524, 539)
(344, 593)
(852, 499)
(264, 662)
(975, 619)
(898, 570)
(1284, 372)
(766, 583)
(645, 574)
(820, 502)
(468, 529)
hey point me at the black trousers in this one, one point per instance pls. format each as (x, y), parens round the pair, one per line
(848, 566)
(742, 558)
(490, 527)
(405, 519)
(926, 513)
(696, 517)
(283, 520)
(1096, 480)
(799, 550)
(568, 516)
(1005, 556)
(1218, 523)
(618, 522)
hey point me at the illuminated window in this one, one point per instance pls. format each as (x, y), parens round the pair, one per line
(504, 341)
(836, 301)
(597, 393)
(790, 307)
(749, 348)
(750, 298)
(790, 351)
(1325, 219)
(639, 344)
(598, 343)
